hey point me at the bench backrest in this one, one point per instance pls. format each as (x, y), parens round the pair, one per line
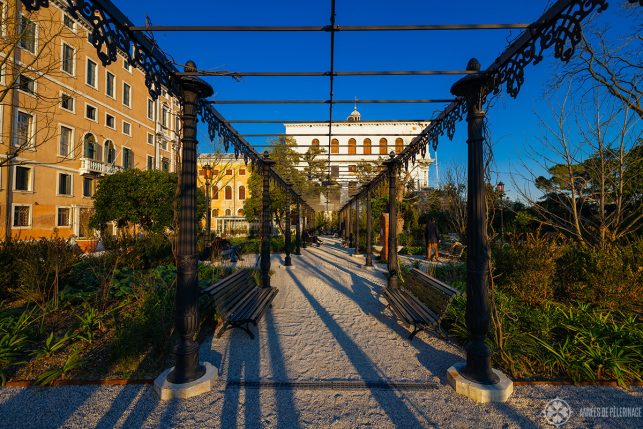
(434, 293)
(228, 291)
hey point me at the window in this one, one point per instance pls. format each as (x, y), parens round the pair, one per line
(150, 109)
(127, 128)
(26, 84)
(165, 113)
(334, 146)
(126, 65)
(150, 162)
(240, 212)
(64, 184)
(367, 146)
(91, 113)
(315, 142)
(228, 212)
(383, 146)
(352, 146)
(228, 172)
(69, 22)
(64, 217)
(165, 165)
(242, 192)
(215, 192)
(110, 81)
(127, 93)
(110, 152)
(23, 179)
(228, 192)
(88, 186)
(24, 130)
(67, 102)
(352, 168)
(21, 216)
(92, 74)
(27, 35)
(334, 170)
(90, 148)
(242, 172)
(399, 145)
(110, 121)
(163, 144)
(150, 138)
(128, 158)
(66, 139)
(215, 173)
(215, 212)
(69, 59)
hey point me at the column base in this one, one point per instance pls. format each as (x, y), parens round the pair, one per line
(481, 393)
(203, 384)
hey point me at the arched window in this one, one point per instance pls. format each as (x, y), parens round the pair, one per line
(367, 146)
(315, 142)
(215, 212)
(352, 146)
(334, 146)
(228, 192)
(399, 145)
(240, 212)
(228, 212)
(242, 192)
(110, 152)
(90, 148)
(383, 146)
(215, 192)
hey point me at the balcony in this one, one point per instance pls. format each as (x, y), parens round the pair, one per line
(91, 166)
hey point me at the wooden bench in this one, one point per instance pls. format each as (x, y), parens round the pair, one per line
(238, 301)
(415, 313)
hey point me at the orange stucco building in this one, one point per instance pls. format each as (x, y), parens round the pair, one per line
(70, 121)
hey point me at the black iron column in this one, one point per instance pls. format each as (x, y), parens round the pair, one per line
(478, 367)
(356, 226)
(186, 318)
(351, 236)
(298, 229)
(266, 220)
(369, 231)
(392, 167)
(287, 261)
(305, 226)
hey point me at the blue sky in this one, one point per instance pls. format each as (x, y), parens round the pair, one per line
(514, 123)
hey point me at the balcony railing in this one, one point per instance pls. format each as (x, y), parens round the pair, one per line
(89, 166)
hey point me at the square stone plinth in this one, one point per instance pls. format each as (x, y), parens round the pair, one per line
(482, 393)
(167, 390)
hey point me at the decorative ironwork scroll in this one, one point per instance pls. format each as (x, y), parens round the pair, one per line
(560, 27)
(110, 35)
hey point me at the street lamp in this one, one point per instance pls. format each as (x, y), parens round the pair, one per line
(500, 187)
(207, 175)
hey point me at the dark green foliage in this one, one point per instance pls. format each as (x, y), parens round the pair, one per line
(608, 277)
(144, 198)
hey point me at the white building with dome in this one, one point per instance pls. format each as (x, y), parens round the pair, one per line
(355, 140)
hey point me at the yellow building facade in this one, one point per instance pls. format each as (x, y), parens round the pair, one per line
(67, 121)
(228, 192)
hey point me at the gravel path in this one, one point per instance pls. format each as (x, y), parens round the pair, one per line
(326, 355)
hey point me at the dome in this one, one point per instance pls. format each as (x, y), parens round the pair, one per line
(354, 116)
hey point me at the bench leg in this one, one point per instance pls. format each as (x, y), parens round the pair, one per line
(247, 330)
(414, 333)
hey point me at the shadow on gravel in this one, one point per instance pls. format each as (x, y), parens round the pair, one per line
(242, 363)
(392, 404)
(366, 294)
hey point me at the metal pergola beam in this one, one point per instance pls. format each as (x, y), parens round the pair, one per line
(394, 101)
(326, 28)
(226, 73)
(307, 121)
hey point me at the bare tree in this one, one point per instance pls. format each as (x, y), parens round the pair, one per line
(30, 57)
(455, 198)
